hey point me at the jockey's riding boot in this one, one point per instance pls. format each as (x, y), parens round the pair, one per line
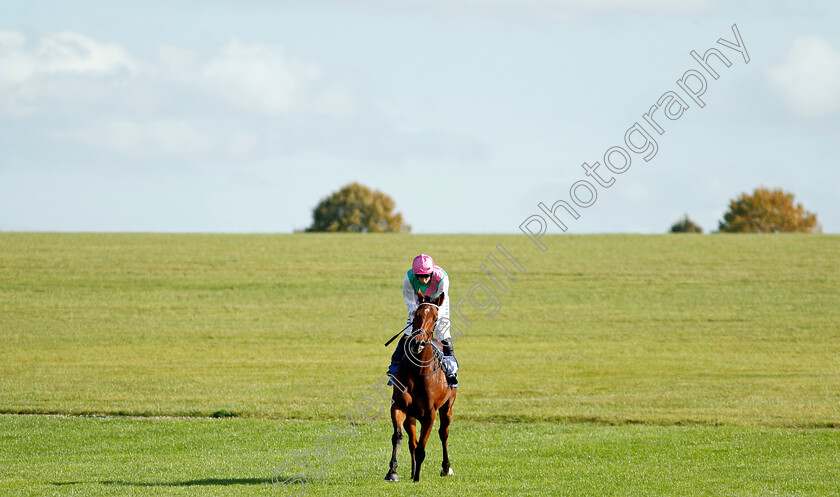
(396, 357)
(449, 351)
(452, 380)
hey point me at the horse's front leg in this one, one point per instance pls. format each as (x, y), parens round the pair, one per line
(426, 425)
(397, 418)
(445, 420)
(411, 429)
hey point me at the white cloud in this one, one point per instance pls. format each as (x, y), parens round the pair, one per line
(76, 53)
(66, 52)
(241, 101)
(16, 65)
(810, 79)
(67, 67)
(260, 77)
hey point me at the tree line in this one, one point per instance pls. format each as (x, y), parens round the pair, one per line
(356, 208)
(762, 211)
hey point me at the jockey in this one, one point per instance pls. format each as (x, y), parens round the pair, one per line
(430, 280)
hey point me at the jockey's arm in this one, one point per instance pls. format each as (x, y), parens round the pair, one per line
(443, 312)
(410, 301)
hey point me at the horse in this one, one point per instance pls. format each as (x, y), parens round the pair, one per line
(423, 392)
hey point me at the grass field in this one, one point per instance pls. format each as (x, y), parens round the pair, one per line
(85, 456)
(617, 364)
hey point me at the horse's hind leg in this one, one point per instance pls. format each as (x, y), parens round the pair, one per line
(397, 418)
(445, 420)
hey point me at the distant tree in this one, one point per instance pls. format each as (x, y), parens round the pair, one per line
(356, 208)
(686, 225)
(768, 211)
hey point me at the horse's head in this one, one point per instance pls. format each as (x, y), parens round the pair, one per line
(425, 319)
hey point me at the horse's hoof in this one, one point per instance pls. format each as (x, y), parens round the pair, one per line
(392, 477)
(444, 472)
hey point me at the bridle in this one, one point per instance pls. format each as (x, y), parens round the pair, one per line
(434, 325)
(438, 354)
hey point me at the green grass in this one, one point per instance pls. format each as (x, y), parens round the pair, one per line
(617, 365)
(664, 329)
(92, 457)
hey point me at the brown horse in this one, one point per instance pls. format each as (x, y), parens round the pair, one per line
(425, 392)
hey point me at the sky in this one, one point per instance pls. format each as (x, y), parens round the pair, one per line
(240, 117)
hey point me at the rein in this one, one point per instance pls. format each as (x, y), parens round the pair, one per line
(438, 354)
(409, 324)
(438, 358)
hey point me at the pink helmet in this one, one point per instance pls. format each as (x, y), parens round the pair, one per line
(423, 264)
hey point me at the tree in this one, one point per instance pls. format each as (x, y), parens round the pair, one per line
(686, 225)
(355, 208)
(768, 211)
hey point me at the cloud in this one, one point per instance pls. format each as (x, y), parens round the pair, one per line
(186, 108)
(260, 77)
(64, 67)
(810, 79)
(70, 67)
(67, 52)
